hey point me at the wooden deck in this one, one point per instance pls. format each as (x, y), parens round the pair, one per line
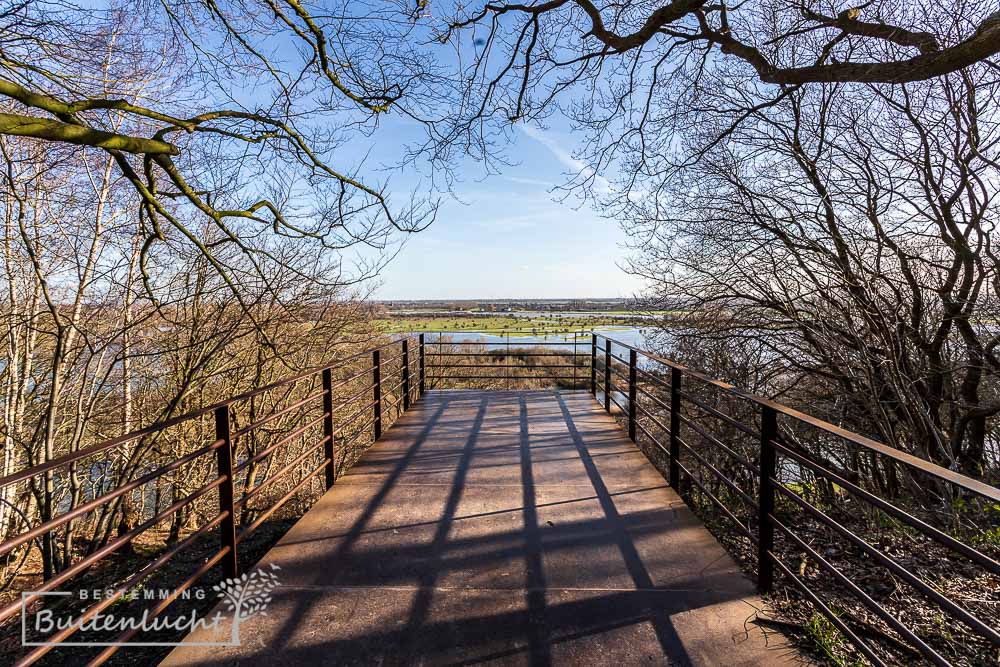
(502, 528)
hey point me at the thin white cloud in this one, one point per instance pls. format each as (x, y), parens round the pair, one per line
(529, 181)
(565, 157)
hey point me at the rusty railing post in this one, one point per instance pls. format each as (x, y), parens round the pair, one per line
(765, 527)
(631, 394)
(227, 529)
(593, 364)
(406, 374)
(421, 380)
(377, 388)
(675, 427)
(607, 375)
(507, 334)
(328, 426)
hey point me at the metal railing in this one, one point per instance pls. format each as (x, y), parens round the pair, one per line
(651, 386)
(321, 435)
(506, 363)
(666, 406)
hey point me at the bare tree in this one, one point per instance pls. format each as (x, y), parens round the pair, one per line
(785, 43)
(848, 232)
(628, 74)
(811, 180)
(205, 116)
(172, 218)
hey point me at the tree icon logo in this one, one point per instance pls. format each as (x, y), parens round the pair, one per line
(247, 596)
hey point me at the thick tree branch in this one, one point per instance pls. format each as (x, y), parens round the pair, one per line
(925, 41)
(981, 46)
(663, 16)
(54, 130)
(933, 60)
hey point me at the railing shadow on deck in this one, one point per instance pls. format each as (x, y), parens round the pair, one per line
(341, 568)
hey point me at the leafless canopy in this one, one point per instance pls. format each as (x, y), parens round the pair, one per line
(808, 41)
(241, 113)
(814, 184)
(605, 62)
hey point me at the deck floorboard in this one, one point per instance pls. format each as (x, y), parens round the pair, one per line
(515, 527)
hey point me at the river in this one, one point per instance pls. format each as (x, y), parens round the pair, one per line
(634, 336)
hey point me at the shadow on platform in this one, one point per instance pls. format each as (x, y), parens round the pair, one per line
(506, 528)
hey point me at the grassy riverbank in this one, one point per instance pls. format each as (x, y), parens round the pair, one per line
(501, 323)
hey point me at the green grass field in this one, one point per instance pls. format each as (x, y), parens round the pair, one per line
(499, 323)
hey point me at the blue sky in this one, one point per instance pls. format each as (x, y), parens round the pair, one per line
(508, 237)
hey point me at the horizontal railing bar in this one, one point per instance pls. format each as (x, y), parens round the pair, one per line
(619, 374)
(367, 389)
(475, 342)
(162, 605)
(825, 610)
(109, 548)
(612, 397)
(733, 486)
(271, 478)
(386, 360)
(875, 607)
(505, 367)
(654, 398)
(721, 415)
(173, 421)
(646, 353)
(342, 423)
(341, 404)
(926, 589)
(718, 443)
(654, 378)
(505, 377)
(512, 353)
(553, 328)
(389, 403)
(652, 417)
(968, 483)
(284, 441)
(718, 503)
(274, 415)
(261, 455)
(653, 441)
(649, 435)
(363, 429)
(624, 362)
(294, 378)
(665, 386)
(341, 383)
(958, 479)
(398, 385)
(246, 532)
(939, 536)
(48, 526)
(96, 449)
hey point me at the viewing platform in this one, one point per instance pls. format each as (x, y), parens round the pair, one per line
(502, 527)
(471, 501)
